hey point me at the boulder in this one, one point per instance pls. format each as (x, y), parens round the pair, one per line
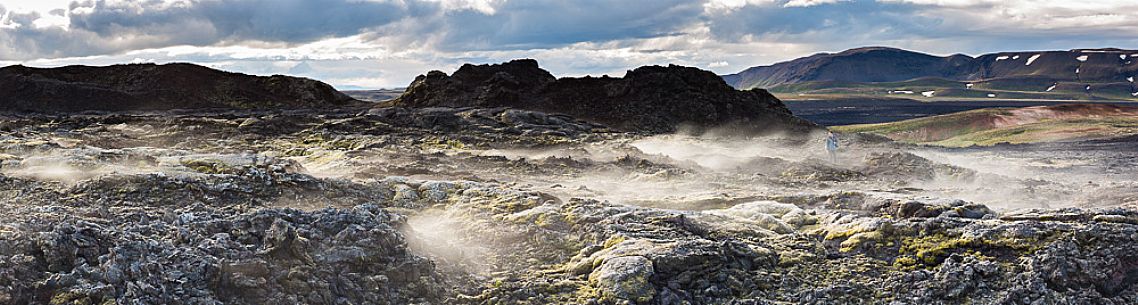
(625, 277)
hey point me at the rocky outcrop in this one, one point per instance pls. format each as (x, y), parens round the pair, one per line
(156, 87)
(651, 99)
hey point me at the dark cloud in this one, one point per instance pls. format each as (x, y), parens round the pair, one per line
(841, 21)
(263, 20)
(553, 23)
(101, 27)
(107, 27)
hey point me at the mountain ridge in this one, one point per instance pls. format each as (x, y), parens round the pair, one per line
(1109, 73)
(148, 86)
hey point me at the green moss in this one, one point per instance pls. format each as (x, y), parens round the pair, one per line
(839, 234)
(862, 238)
(904, 261)
(585, 293)
(613, 240)
(794, 257)
(72, 298)
(930, 249)
(447, 144)
(208, 166)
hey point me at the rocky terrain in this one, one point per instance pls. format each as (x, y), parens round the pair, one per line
(156, 87)
(506, 206)
(1081, 74)
(650, 99)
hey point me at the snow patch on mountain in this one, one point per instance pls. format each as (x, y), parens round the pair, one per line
(1032, 59)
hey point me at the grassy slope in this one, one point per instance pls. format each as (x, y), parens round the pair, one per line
(984, 127)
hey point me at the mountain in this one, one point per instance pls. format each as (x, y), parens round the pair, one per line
(1074, 74)
(156, 87)
(651, 99)
(375, 95)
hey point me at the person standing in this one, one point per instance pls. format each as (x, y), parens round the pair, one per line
(832, 146)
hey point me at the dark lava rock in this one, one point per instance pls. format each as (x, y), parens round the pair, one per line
(652, 99)
(157, 87)
(207, 256)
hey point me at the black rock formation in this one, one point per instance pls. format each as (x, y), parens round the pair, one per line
(650, 99)
(156, 87)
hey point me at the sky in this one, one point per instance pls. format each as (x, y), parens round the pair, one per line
(354, 44)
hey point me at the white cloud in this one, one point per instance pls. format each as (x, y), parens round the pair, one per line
(1034, 17)
(809, 3)
(488, 7)
(729, 5)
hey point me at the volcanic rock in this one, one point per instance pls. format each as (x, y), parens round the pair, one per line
(157, 87)
(651, 99)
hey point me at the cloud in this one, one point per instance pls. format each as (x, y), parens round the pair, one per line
(111, 26)
(540, 24)
(1041, 17)
(390, 41)
(937, 26)
(809, 3)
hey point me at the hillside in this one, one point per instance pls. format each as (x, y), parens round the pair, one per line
(156, 87)
(652, 99)
(377, 95)
(991, 126)
(1081, 74)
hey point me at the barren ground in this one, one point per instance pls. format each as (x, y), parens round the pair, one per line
(445, 206)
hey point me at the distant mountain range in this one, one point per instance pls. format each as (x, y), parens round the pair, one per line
(1080, 74)
(157, 87)
(375, 95)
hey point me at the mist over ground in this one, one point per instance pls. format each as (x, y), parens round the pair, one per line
(277, 205)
